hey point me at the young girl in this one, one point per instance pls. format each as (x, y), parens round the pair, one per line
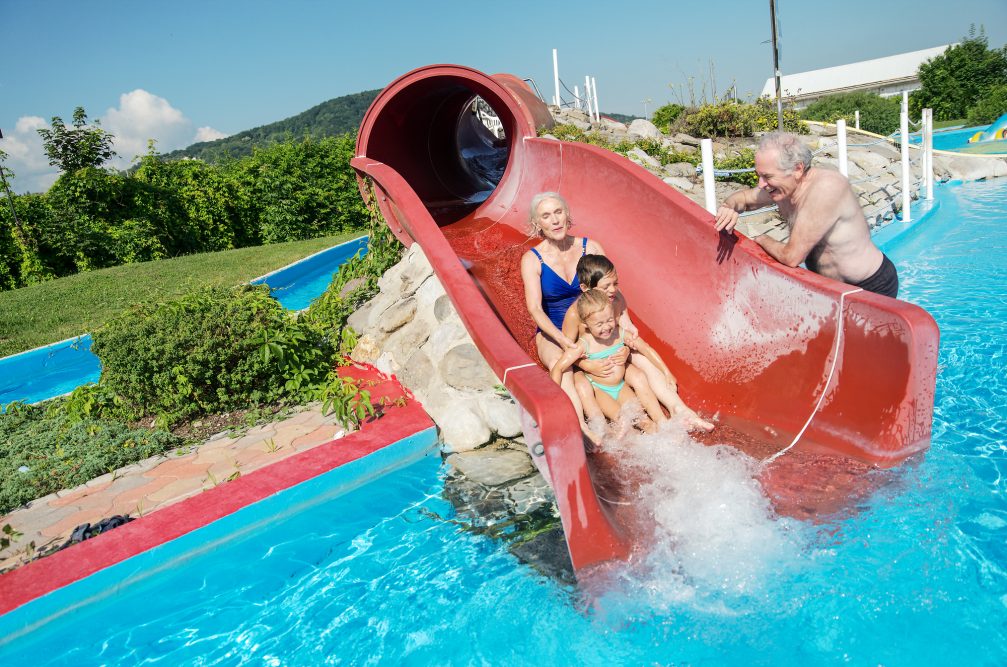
(603, 339)
(598, 272)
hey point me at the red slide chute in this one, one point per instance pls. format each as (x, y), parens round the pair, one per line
(781, 354)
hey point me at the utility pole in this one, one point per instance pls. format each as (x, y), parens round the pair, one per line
(776, 65)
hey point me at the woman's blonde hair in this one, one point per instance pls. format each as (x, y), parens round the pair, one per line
(536, 201)
(591, 302)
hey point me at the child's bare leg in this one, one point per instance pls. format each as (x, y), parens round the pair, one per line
(587, 398)
(667, 393)
(646, 424)
(636, 379)
(549, 353)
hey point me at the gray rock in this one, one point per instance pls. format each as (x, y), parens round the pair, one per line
(501, 414)
(682, 169)
(443, 308)
(446, 335)
(417, 372)
(644, 129)
(529, 494)
(464, 368)
(639, 156)
(492, 466)
(682, 138)
(462, 427)
(683, 184)
(867, 161)
(396, 315)
(969, 168)
(401, 344)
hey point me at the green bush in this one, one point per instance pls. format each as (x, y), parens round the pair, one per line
(991, 107)
(958, 79)
(42, 451)
(211, 349)
(877, 114)
(737, 119)
(666, 115)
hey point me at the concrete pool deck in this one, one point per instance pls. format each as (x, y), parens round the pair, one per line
(223, 466)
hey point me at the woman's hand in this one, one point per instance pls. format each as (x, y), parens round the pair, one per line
(598, 367)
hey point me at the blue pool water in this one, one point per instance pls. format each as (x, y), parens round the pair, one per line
(297, 285)
(49, 371)
(913, 573)
(46, 372)
(958, 140)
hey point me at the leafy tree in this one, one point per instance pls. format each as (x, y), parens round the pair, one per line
(991, 107)
(82, 146)
(666, 115)
(877, 114)
(955, 81)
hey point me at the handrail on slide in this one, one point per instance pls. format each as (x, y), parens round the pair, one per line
(591, 535)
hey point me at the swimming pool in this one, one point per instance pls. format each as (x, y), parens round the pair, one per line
(957, 139)
(914, 573)
(57, 369)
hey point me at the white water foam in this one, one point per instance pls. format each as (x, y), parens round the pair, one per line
(716, 545)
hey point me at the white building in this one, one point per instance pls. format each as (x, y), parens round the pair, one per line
(886, 76)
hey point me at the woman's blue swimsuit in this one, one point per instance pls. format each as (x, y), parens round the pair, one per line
(558, 294)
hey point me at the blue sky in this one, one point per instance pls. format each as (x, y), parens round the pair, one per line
(183, 70)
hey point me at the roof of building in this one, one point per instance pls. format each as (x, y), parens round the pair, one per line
(902, 66)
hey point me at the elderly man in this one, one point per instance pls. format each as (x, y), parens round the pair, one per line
(828, 231)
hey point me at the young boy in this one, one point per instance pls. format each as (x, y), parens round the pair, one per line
(602, 339)
(598, 272)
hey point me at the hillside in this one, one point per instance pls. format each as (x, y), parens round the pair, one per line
(331, 118)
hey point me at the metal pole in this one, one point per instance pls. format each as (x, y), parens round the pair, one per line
(906, 198)
(844, 167)
(587, 95)
(576, 94)
(856, 118)
(706, 148)
(776, 65)
(928, 141)
(594, 92)
(555, 75)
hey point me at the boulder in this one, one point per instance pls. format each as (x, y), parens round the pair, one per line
(462, 427)
(640, 157)
(492, 466)
(464, 368)
(644, 129)
(679, 183)
(501, 414)
(681, 169)
(397, 315)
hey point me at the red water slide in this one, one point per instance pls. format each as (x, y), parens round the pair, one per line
(781, 354)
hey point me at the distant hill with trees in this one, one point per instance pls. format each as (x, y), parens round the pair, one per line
(328, 119)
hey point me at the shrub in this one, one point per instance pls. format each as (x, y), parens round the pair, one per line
(211, 349)
(666, 115)
(991, 107)
(877, 114)
(958, 79)
(57, 452)
(734, 119)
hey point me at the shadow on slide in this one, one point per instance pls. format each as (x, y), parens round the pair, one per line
(782, 355)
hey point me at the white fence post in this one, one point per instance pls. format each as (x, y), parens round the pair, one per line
(576, 94)
(587, 96)
(706, 148)
(844, 167)
(555, 75)
(856, 118)
(594, 91)
(904, 131)
(928, 151)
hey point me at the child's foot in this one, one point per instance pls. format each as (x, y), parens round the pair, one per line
(692, 421)
(646, 425)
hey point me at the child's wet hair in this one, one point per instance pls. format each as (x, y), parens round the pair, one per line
(592, 268)
(590, 302)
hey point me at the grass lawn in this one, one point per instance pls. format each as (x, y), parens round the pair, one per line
(52, 311)
(938, 124)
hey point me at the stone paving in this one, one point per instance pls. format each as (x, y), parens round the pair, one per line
(157, 482)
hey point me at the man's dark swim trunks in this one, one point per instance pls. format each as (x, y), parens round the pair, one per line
(884, 281)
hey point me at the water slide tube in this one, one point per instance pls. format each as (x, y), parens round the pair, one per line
(995, 132)
(783, 355)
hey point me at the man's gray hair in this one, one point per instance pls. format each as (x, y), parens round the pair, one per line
(536, 201)
(791, 151)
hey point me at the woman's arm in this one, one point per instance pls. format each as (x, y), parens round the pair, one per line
(531, 274)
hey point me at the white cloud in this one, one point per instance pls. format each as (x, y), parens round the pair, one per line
(140, 116)
(208, 134)
(26, 157)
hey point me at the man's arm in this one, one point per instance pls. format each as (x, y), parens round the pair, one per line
(739, 202)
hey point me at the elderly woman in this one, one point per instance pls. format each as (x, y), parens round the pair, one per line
(549, 271)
